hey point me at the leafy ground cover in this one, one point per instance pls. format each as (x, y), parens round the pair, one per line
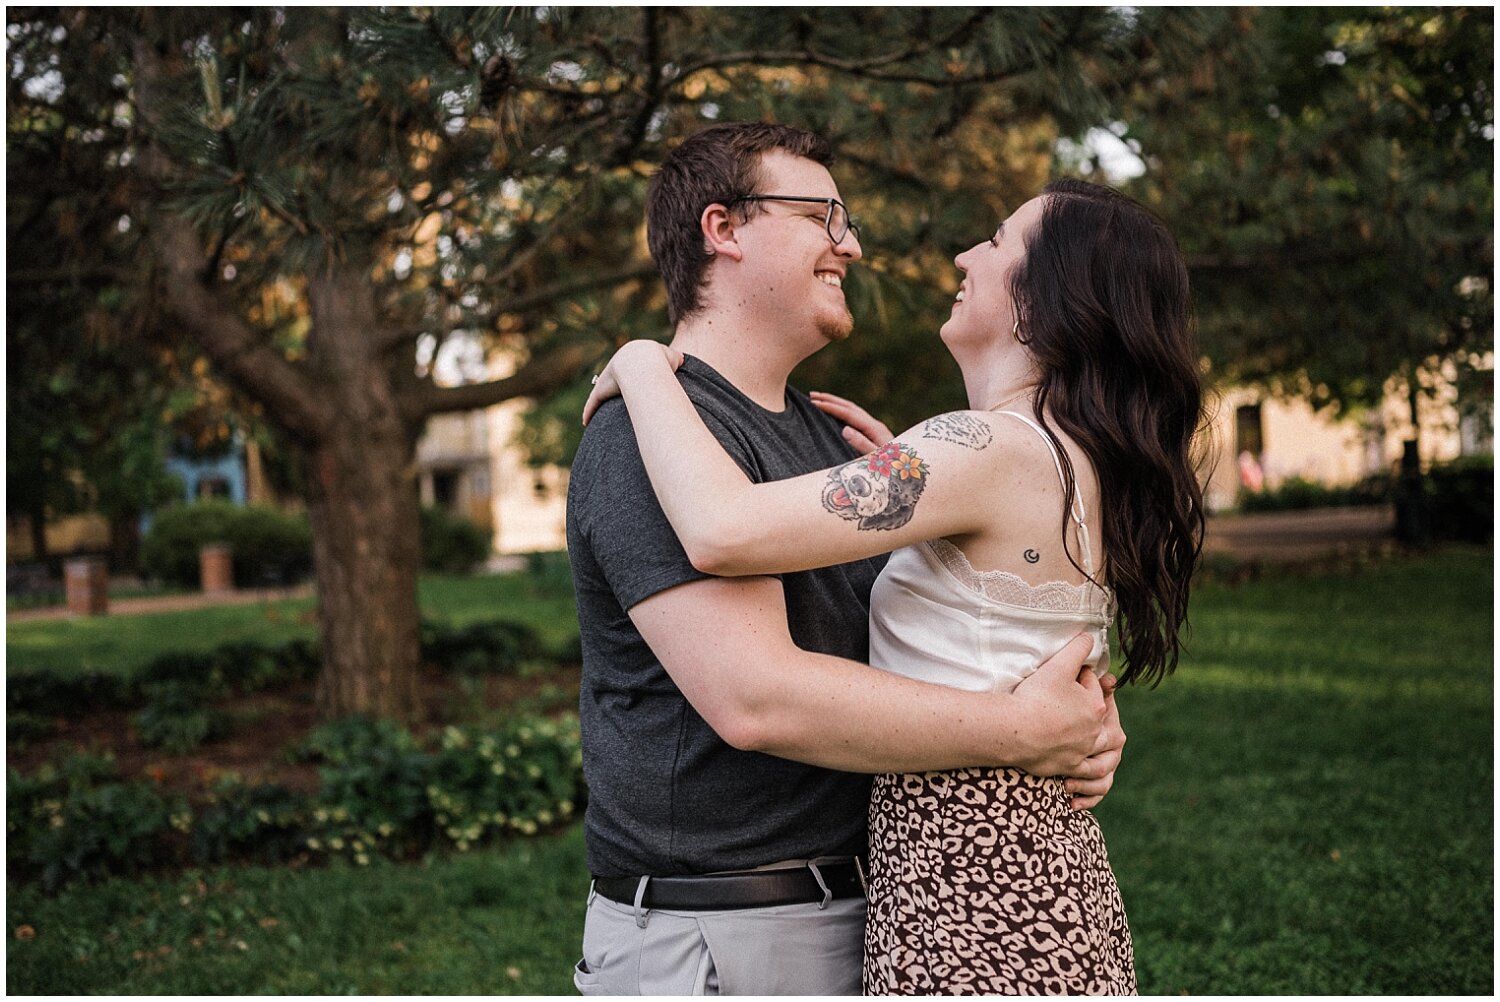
(254, 725)
(1307, 807)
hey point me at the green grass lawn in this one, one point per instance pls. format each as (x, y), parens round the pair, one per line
(503, 921)
(123, 643)
(1307, 807)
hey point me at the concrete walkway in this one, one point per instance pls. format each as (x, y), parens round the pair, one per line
(1293, 536)
(171, 603)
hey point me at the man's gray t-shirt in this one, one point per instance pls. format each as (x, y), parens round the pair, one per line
(666, 794)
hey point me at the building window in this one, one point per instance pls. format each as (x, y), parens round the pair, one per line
(445, 489)
(213, 488)
(1248, 434)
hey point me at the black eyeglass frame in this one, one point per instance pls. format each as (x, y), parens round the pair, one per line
(850, 226)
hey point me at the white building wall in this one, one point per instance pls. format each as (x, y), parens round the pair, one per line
(1301, 443)
(530, 505)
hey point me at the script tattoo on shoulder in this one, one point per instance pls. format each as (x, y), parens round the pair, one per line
(878, 491)
(959, 429)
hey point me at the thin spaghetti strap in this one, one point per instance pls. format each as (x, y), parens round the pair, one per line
(1078, 513)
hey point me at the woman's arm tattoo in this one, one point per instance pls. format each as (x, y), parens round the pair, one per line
(959, 429)
(879, 491)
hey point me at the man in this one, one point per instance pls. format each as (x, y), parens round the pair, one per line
(729, 727)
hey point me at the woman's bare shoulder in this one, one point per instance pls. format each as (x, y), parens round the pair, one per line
(989, 434)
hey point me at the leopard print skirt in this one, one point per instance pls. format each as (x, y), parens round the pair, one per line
(985, 882)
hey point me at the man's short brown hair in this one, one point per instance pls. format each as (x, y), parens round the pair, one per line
(719, 164)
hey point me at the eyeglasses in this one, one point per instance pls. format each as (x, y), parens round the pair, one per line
(837, 222)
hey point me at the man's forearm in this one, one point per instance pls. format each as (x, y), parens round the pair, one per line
(724, 642)
(837, 714)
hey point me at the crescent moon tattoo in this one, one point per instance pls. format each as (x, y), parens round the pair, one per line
(1032, 556)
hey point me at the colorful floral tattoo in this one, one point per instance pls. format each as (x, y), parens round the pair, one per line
(959, 429)
(879, 491)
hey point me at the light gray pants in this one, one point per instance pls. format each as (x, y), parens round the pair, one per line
(786, 950)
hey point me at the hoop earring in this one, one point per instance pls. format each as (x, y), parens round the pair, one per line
(1015, 332)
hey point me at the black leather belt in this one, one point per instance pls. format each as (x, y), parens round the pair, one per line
(796, 885)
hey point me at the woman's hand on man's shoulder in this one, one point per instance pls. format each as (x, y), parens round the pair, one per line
(626, 360)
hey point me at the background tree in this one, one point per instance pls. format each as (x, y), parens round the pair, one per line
(88, 400)
(1330, 176)
(329, 196)
(937, 141)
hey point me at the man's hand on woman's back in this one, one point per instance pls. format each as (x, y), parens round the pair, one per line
(1090, 786)
(1068, 717)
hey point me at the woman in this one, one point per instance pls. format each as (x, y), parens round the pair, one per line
(1062, 501)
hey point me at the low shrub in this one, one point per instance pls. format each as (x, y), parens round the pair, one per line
(169, 549)
(240, 667)
(452, 544)
(299, 660)
(48, 694)
(1298, 493)
(246, 666)
(263, 823)
(170, 675)
(373, 787)
(568, 651)
(74, 820)
(522, 778)
(382, 792)
(548, 700)
(492, 647)
(175, 692)
(349, 739)
(268, 545)
(180, 690)
(1461, 494)
(22, 728)
(479, 784)
(177, 721)
(76, 771)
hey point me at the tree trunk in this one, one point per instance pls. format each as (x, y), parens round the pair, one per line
(125, 543)
(363, 509)
(1413, 400)
(362, 504)
(37, 522)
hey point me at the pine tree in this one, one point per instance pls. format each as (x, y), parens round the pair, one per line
(1331, 178)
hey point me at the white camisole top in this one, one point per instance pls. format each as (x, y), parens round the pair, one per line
(934, 618)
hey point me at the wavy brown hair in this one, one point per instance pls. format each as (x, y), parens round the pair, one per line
(1102, 297)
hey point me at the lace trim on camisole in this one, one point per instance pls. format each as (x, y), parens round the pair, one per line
(1011, 589)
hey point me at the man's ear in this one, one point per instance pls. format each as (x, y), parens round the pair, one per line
(719, 238)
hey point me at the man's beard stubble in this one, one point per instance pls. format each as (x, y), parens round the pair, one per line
(840, 329)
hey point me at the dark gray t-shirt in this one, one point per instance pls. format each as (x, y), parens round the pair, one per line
(666, 794)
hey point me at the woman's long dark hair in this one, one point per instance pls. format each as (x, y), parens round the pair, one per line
(1103, 302)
